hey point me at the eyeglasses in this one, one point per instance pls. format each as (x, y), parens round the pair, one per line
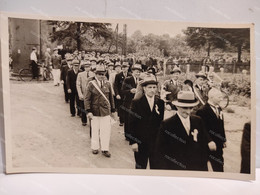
(100, 74)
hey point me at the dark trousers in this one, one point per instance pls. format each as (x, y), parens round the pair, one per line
(83, 111)
(217, 161)
(142, 157)
(74, 96)
(66, 91)
(120, 111)
(126, 121)
(35, 70)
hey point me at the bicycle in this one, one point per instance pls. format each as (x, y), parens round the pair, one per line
(25, 74)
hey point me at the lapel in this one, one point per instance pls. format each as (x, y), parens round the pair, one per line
(133, 82)
(210, 111)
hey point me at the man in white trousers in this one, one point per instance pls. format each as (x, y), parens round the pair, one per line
(56, 63)
(99, 104)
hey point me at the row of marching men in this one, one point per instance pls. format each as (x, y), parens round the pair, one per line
(186, 140)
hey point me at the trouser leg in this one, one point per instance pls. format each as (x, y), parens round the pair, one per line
(141, 158)
(72, 103)
(95, 126)
(217, 161)
(83, 112)
(65, 91)
(105, 132)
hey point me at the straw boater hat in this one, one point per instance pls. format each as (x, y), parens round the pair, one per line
(85, 63)
(69, 58)
(110, 64)
(149, 80)
(75, 62)
(117, 64)
(175, 69)
(100, 68)
(186, 99)
(125, 64)
(93, 59)
(201, 74)
(137, 67)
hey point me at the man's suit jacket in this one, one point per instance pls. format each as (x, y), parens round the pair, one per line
(71, 80)
(95, 102)
(176, 150)
(214, 125)
(119, 79)
(56, 61)
(128, 84)
(144, 123)
(81, 83)
(64, 72)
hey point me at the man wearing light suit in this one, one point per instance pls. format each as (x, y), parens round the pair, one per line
(81, 83)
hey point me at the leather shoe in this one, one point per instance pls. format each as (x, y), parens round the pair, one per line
(95, 151)
(106, 154)
(84, 124)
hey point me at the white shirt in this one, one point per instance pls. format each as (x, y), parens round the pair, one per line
(185, 122)
(150, 102)
(214, 108)
(33, 56)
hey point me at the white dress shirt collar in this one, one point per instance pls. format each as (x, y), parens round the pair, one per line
(185, 122)
(150, 102)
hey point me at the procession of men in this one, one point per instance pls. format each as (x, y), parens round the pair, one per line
(174, 126)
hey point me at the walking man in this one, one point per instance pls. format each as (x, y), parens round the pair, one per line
(82, 81)
(56, 63)
(212, 115)
(72, 89)
(129, 90)
(182, 141)
(99, 104)
(144, 122)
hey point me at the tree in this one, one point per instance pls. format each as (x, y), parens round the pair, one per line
(210, 38)
(79, 32)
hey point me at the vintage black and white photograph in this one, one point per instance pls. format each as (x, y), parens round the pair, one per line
(129, 95)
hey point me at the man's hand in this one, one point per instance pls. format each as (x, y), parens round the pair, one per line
(135, 147)
(90, 115)
(81, 97)
(225, 145)
(133, 90)
(212, 146)
(118, 97)
(62, 82)
(69, 90)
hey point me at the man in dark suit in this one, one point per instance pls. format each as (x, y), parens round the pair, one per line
(63, 76)
(212, 116)
(245, 149)
(182, 141)
(144, 121)
(72, 89)
(119, 79)
(128, 91)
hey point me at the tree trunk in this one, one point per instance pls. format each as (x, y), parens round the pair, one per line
(78, 36)
(208, 50)
(239, 52)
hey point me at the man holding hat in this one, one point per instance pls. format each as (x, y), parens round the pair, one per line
(129, 90)
(82, 81)
(182, 141)
(99, 104)
(200, 88)
(56, 63)
(72, 89)
(144, 121)
(170, 89)
(119, 79)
